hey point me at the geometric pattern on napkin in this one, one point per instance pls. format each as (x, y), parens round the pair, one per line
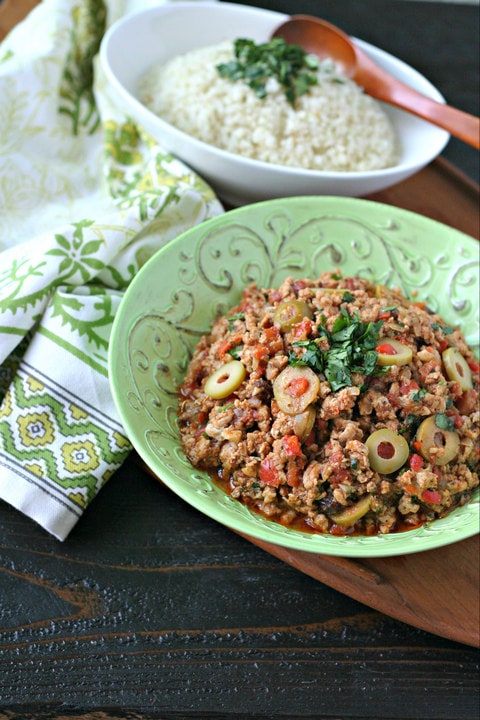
(58, 439)
(86, 198)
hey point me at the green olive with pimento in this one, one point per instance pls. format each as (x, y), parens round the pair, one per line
(303, 423)
(437, 445)
(295, 388)
(351, 514)
(387, 451)
(290, 313)
(393, 352)
(457, 368)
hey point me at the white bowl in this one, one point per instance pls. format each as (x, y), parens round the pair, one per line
(139, 41)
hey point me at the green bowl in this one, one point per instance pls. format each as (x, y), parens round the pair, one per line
(175, 297)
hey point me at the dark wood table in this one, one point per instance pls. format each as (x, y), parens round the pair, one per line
(151, 610)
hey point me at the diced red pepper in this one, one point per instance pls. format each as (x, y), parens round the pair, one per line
(409, 387)
(302, 329)
(274, 296)
(335, 457)
(386, 349)
(411, 489)
(417, 445)
(271, 333)
(340, 475)
(415, 462)
(227, 345)
(297, 386)
(392, 399)
(260, 352)
(268, 473)
(473, 365)
(432, 496)
(384, 315)
(291, 445)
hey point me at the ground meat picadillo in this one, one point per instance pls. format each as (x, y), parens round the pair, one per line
(335, 405)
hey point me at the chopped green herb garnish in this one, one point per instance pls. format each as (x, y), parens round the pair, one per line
(294, 69)
(348, 297)
(447, 330)
(419, 394)
(444, 422)
(225, 407)
(236, 351)
(312, 356)
(232, 318)
(351, 350)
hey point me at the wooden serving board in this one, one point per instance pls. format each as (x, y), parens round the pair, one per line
(12, 12)
(437, 590)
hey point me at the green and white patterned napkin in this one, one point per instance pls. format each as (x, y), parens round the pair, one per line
(85, 199)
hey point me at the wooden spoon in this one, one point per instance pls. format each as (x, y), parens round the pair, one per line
(326, 40)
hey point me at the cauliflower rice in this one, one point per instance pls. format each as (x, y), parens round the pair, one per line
(334, 126)
(335, 405)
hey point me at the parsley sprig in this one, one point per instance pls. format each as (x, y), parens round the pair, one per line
(444, 422)
(351, 349)
(294, 69)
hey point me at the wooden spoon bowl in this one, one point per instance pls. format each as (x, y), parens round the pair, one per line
(326, 40)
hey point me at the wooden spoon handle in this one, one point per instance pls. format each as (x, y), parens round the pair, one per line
(383, 86)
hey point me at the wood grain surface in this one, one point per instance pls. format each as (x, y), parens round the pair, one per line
(154, 609)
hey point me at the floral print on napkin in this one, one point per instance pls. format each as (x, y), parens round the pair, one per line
(86, 197)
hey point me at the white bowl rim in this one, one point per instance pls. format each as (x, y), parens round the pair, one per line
(250, 163)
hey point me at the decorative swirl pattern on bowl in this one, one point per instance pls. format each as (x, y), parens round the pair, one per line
(180, 291)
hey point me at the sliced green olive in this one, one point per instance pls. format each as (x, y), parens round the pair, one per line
(457, 368)
(291, 312)
(387, 451)
(303, 423)
(382, 290)
(225, 380)
(431, 437)
(350, 515)
(393, 352)
(295, 388)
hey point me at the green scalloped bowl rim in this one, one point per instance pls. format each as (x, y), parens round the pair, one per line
(175, 296)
